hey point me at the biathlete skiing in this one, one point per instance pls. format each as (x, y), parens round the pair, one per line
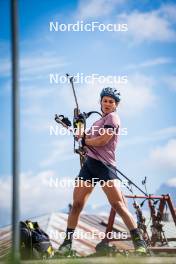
(100, 143)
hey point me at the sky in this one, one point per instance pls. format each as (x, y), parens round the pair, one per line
(145, 54)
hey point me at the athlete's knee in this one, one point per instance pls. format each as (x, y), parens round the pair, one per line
(77, 206)
(119, 206)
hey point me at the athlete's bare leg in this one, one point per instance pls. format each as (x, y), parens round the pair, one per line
(80, 196)
(117, 201)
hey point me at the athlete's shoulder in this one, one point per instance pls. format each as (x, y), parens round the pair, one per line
(112, 114)
(114, 117)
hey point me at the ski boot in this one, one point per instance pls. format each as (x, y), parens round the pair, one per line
(103, 249)
(65, 249)
(139, 244)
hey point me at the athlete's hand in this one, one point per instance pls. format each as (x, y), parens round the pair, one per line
(78, 136)
(81, 138)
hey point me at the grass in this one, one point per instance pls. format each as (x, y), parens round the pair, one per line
(109, 260)
(118, 259)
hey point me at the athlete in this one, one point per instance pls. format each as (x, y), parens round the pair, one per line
(100, 144)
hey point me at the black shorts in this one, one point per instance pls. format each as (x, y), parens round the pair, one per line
(94, 171)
